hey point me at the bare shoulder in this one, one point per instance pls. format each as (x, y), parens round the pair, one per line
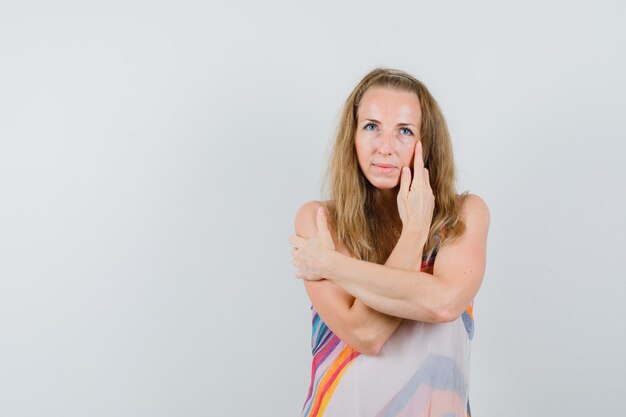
(305, 222)
(475, 210)
(476, 217)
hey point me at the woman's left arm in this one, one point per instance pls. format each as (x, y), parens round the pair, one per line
(440, 297)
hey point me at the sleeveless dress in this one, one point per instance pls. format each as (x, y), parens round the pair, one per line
(421, 371)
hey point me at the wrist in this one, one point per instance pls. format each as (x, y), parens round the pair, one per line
(331, 264)
(413, 235)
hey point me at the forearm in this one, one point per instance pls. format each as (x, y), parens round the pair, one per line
(376, 327)
(407, 254)
(406, 293)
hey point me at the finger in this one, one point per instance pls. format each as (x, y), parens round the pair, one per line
(322, 224)
(296, 240)
(294, 251)
(418, 165)
(418, 160)
(427, 182)
(405, 180)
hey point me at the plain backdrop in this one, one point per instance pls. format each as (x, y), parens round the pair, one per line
(153, 155)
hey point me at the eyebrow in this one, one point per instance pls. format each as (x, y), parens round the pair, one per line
(399, 124)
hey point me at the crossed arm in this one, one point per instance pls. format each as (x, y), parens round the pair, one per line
(385, 294)
(357, 324)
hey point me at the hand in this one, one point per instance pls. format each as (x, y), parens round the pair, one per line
(416, 203)
(312, 255)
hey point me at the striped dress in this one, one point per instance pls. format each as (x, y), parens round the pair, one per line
(421, 371)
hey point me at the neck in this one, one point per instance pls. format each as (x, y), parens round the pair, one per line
(387, 199)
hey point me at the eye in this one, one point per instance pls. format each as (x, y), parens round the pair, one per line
(407, 130)
(366, 127)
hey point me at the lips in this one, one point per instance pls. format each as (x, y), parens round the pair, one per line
(385, 169)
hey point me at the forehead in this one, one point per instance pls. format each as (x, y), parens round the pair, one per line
(388, 103)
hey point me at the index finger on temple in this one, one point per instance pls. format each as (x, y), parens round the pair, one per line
(419, 161)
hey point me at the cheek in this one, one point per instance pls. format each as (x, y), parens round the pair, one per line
(361, 159)
(408, 155)
(362, 148)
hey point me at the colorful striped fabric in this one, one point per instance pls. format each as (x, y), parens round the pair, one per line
(422, 370)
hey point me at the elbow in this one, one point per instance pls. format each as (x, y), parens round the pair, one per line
(429, 314)
(370, 348)
(374, 347)
(366, 350)
(449, 307)
(448, 313)
(367, 343)
(445, 316)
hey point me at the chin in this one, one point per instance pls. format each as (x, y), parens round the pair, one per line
(385, 185)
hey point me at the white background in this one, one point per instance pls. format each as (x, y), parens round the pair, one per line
(153, 155)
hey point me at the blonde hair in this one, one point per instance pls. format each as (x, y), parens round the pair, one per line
(355, 209)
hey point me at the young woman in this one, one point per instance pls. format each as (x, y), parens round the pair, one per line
(392, 326)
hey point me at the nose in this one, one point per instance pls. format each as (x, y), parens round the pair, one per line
(385, 146)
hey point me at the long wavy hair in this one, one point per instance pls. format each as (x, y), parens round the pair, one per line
(362, 221)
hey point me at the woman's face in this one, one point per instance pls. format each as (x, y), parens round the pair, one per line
(388, 126)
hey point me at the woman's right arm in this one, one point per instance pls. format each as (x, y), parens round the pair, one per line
(358, 325)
